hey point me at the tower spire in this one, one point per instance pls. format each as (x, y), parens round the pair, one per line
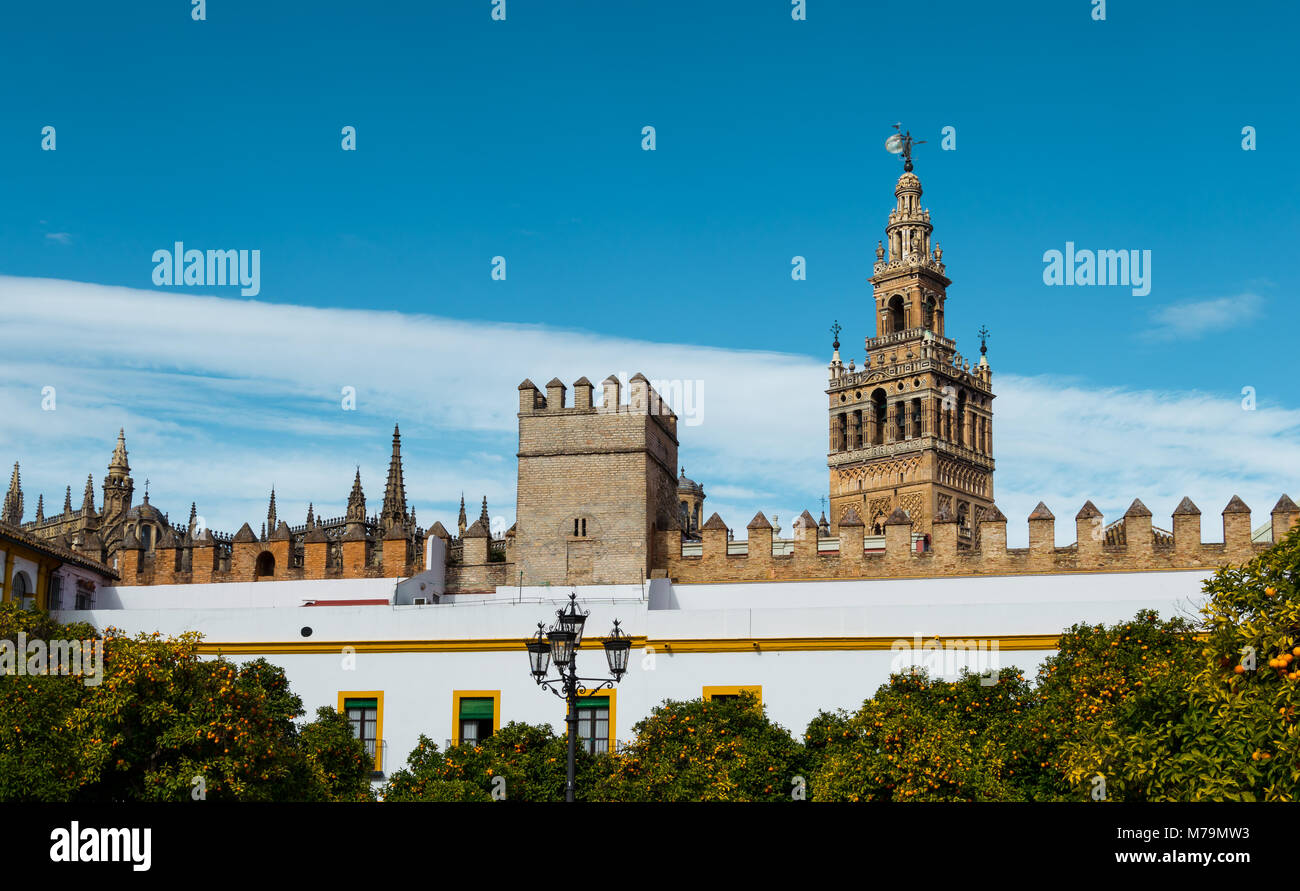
(460, 521)
(356, 501)
(40, 508)
(270, 511)
(88, 497)
(118, 466)
(483, 516)
(67, 502)
(393, 512)
(13, 504)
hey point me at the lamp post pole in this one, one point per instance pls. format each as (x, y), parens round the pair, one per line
(560, 644)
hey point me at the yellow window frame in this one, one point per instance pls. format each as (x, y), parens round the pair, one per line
(378, 697)
(756, 689)
(458, 695)
(611, 699)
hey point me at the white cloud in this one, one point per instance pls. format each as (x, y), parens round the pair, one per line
(222, 398)
(1199, 317)
(60, 237)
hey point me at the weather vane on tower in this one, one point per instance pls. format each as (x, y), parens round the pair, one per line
(901, 144)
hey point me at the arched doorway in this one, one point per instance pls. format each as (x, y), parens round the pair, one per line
(265, 565)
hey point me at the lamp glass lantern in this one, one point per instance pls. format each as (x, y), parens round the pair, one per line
(539, 654)
(618, 646)
(562, 646)
(572, 620)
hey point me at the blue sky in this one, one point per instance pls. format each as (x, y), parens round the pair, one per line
(523, 139)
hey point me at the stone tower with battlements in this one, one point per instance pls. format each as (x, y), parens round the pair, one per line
(595, 482)
(912, 428)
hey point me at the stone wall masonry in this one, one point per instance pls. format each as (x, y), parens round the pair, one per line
(990, 557)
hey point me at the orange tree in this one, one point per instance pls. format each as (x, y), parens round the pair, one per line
(698, 750)
(520, 762)
(1099, 675)
(164, 724)
(1224, 727)
(921, 739)
(41, 757)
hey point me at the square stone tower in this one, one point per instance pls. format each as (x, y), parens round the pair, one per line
(595, 482)
(913, 427)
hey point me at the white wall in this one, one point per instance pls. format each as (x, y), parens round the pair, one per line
(418, 686)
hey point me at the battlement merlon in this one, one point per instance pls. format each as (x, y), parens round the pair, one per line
(1131, 545)
(643, 399)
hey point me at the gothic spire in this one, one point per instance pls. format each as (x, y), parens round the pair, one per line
(13, 505)
(88, 499)
(67, 502)
(394, 509)
(356, 501)
(118, 467)
(311, 516)
(40, 508)
(460, 521)
(270, 512)
(483, 515)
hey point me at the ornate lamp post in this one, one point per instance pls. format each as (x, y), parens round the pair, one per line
(559, 644)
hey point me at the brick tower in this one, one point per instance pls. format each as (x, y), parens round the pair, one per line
(595, 482)
(913, 427)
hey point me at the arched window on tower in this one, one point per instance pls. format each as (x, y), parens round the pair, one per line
(897, 318)
(879, 411)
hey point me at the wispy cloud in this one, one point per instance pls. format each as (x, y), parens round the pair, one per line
(60, 237)
(1197, 318)
(221, 398)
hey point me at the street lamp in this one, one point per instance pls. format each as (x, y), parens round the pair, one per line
(559, 644)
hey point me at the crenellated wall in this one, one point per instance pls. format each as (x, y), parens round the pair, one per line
(896, 555)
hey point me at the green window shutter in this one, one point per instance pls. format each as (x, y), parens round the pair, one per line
(360, 703)
(593, 702)
(476, 709)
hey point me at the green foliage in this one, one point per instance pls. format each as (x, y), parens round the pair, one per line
(1099, 676)
(716, 750)
(1221, 727)
(162, 723)
(531, 760)
(920, 739)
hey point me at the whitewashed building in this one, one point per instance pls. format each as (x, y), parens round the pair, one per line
(456, 668)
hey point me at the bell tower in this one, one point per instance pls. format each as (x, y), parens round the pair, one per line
(913, 427)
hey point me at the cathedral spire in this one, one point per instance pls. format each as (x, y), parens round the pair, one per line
(460, 521)
(270, 511)
(67, 502)
(483, 516)
(311, 515)
(88, 498)
(117, 467)
(40, 508)
(356, 501)
(394, 509)
(13, 504)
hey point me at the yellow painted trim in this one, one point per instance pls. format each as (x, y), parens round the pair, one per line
(611, 696)
(1005, 642)
(378, 696)
(466, 645)
(710, 692)
(9, 574)
(458, 695)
